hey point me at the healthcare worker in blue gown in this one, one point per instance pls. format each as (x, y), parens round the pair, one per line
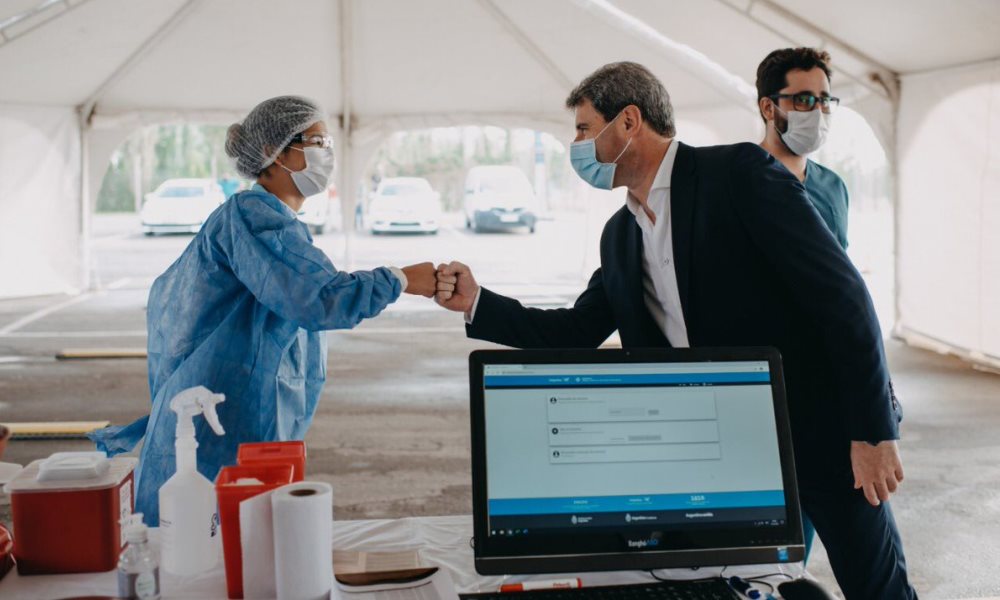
(244, 309)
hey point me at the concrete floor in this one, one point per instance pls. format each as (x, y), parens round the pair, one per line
(392, 436)
(391, 433)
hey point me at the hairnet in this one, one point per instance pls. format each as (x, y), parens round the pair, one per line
(256, 142)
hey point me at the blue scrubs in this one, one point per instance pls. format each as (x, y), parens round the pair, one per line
(242, 312)
(828, 193)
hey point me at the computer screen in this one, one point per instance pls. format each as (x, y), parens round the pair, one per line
(681, 458)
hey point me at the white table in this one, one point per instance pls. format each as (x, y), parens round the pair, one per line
(442, 541)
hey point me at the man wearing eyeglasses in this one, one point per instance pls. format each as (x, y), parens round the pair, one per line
(793, 96)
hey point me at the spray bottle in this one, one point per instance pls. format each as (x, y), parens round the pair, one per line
(188, 516)
(139, 565)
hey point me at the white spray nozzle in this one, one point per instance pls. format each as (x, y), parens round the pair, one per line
(196, 401)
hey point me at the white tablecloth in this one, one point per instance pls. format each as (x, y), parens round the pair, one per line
(442, 541)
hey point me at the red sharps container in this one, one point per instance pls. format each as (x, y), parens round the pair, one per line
(232, 486)
(275, 453)
(66, 512)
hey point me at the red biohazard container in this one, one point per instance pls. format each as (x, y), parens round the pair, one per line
(270, 453)
(66, 513)
(232, 486)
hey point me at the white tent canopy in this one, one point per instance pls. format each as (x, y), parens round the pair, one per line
(77, 76)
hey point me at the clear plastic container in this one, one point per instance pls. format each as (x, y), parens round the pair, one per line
(139, 564)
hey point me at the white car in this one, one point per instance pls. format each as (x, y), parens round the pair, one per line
(180, 205)
(405, 205)
(499, 197)
(315, 212)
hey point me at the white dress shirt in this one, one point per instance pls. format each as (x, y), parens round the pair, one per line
(659, 279)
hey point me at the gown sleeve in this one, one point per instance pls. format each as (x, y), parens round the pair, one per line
(271, 253)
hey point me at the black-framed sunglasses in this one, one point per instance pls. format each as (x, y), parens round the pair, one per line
(806, 102)
(320, 141)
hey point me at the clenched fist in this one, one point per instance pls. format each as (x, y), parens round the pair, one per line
(421, 279)
(462, 295)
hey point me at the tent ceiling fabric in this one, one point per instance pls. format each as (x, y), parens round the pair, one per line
(424, 63)
(909, 35)
(437, 57)
(13, 8)
(65, 59)
(231, 54)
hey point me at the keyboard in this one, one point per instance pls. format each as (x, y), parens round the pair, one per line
(714, 589)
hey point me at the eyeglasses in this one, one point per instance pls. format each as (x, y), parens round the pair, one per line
(320, 141)
(807, 102)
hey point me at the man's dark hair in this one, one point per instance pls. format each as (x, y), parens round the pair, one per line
(617, 85)
(772, 74)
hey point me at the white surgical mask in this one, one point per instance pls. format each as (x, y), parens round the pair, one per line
(316, 176)
(806, 131)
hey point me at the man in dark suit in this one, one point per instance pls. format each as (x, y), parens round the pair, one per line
(720, 246)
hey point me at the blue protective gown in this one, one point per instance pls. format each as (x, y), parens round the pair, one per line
(242, 312)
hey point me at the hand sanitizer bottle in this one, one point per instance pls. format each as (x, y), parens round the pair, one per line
(139, 564)
(188, 516)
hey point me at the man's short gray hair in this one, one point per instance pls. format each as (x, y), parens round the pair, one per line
(617, 85)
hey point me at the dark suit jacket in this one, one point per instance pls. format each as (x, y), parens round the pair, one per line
(756, 266)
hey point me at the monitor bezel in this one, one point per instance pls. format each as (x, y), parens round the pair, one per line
(488, 561)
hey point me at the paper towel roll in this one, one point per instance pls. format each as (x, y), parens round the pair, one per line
(303, 539)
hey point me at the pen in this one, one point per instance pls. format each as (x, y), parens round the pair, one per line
(548, 584)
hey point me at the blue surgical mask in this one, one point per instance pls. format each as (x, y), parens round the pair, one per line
(583, 157)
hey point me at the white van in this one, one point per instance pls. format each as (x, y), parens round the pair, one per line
(499, 197)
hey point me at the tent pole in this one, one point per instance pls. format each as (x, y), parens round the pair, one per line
(85, 214)
(136, 157)
(348, 185)
(897, 212)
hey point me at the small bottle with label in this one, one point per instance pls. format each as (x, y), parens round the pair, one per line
(139, 564)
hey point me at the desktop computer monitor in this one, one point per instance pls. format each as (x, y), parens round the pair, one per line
(591, 460)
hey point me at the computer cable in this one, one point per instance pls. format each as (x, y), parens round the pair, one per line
(761, 578)
(722, 574)
(710, 578)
